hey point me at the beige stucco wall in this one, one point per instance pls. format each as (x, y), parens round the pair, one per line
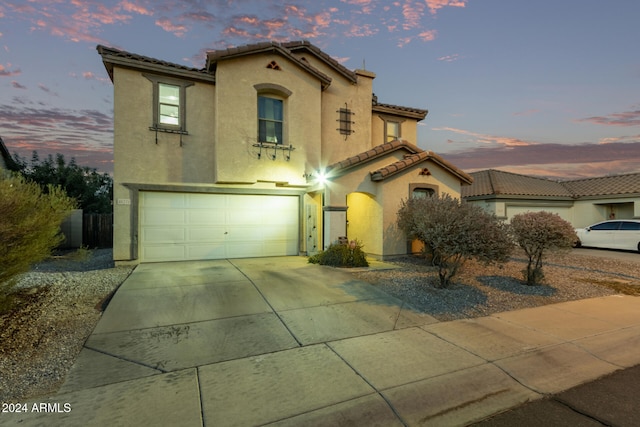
(372, 206)
(139, 159)
(408, 128)
(237, 125)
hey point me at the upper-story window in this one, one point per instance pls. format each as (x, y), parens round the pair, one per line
(169, 104)
(392, 130)
(270, 119)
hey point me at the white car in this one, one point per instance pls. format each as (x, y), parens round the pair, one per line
(614, 234)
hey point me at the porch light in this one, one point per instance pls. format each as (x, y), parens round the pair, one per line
(322, 178)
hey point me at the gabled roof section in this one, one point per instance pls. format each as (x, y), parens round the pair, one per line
(605, 185)
(305, 46)
(213, 57)
(493, 182)
(414, 158)
(112, 57)
(374, 153)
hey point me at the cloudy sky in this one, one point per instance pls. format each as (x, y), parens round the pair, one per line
(545, 87)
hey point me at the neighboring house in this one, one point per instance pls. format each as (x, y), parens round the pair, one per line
(270, 149)
(6, 162)
(580, 201)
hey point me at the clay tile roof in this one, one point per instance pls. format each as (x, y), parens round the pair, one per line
(371, 154)
(605, 185)
(213, 57)
(399, 110)
(495, 182)
(415, 156)
(415, 159)
(111, 56)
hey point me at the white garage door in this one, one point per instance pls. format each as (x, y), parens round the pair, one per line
(191, 226)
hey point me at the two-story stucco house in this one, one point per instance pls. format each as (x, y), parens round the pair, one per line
(270, 149)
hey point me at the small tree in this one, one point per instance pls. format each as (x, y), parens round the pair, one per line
(92, 190)
(453, 231)
(29, 226)
(538, 232)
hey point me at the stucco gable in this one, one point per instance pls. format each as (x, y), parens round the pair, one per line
(216, 56)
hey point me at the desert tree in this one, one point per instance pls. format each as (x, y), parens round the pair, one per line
(452, 232)
(538, 233)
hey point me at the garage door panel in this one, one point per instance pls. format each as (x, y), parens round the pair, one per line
(206, 234)
(155, 216)
(176, 226)
(155, 235)
(166, 252)
(206, 251)
(203, 216)
(159, 200)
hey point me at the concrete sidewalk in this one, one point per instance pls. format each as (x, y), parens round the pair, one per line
(277, 341)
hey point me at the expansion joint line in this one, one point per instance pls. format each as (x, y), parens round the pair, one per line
(268, 303)
(378, 392)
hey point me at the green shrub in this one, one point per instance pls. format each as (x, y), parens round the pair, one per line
(29, 227)
(337, 255)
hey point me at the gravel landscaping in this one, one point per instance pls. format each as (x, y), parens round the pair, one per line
(60, 301)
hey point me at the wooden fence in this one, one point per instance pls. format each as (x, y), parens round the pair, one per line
(97, 230)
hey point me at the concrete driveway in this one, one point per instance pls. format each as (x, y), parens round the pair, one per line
(281, 342)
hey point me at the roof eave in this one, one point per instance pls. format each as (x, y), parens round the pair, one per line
(110, 60)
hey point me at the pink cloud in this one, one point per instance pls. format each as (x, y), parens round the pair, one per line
(449, 58)
(480, 138)
(136, 8)
(435, 5)
(170, 27)
(567, 160)
(629, 118)
(6, 72)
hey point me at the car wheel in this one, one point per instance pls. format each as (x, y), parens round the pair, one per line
(578, 244)
(638, 246)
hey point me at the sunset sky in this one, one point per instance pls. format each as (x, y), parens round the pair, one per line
(545, 87)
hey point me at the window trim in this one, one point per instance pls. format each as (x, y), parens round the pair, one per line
(181, 127)
(391, 119)
(274, 91)
(268, 120)
(421, 186)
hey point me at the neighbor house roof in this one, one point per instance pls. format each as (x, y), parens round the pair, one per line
(605, 185)
(413, 159)
(493, 182)
(5, 158)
